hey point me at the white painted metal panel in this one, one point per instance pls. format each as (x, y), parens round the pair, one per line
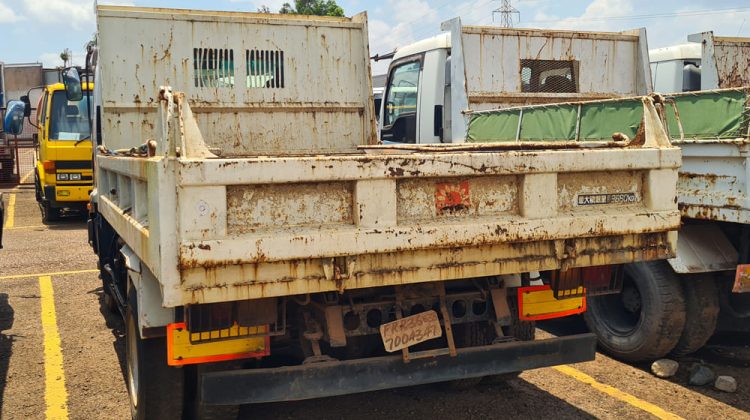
(313, 91)
(713, 181)
(609, 64)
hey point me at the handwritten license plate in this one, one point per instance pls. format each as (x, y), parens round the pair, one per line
(411, 330)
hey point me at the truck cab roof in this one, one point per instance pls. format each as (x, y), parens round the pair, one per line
(434, 43)
(688, 51)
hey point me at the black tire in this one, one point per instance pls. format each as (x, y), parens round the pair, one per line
(110, 303)
(644, 321)
(37, 189)
(49, 213)
(702, 313)
(156, 389)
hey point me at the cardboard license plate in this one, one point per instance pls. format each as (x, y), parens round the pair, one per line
(411, 330)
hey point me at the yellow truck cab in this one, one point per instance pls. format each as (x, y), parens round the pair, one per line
(64, 172)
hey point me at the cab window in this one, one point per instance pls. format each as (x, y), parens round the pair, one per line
(68, 119)
(401, 101)
(42, 109)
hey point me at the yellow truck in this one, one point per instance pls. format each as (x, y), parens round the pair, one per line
(63, 175)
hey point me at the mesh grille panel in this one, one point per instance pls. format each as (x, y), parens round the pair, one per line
(550, 76)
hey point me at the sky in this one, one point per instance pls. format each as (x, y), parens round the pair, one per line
(39, 30)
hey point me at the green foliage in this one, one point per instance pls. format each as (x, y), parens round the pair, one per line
(313, 7)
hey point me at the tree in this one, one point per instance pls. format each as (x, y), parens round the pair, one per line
(313, 7)
(66, 56)
(264, 9)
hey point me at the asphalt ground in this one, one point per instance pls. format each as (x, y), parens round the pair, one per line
(62, 355)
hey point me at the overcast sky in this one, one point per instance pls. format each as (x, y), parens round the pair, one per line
(38, 30)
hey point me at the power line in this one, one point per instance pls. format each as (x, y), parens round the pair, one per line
(506, 11)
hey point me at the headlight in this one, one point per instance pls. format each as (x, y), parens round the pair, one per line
(75, 177)
(62, 177)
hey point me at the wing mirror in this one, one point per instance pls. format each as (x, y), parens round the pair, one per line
(72, 82)
(27, 105)
(13, 121)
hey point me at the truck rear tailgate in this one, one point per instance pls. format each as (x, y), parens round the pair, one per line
(276, 226)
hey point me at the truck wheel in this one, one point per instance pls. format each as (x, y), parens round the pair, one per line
(702, 306)
(156, 389)
(49, 214)
(37, 188)
(644, 321)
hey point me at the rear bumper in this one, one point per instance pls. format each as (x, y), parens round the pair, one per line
(372, 374)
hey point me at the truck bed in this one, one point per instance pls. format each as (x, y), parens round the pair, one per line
(277, 226)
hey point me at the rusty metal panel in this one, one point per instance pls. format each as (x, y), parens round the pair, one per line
(428, 199)
(265, 207)
(259, 84)
(725, 61)
(251, 281)
(713, 181)
(603, 65)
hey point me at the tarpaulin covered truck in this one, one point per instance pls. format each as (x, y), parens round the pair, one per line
(676, 305)
(263, 247)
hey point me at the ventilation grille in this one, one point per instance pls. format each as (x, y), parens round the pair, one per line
(213, 67)
(265, 69)
(550, 76)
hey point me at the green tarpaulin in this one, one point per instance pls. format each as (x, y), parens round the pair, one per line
(704, 115)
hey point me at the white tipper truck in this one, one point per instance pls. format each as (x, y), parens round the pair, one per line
(707, 285)
(262, 246)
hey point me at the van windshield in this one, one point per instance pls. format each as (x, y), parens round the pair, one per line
(68, 119)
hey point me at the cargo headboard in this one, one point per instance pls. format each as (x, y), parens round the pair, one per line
(506, 67)
(259, 84)
(725, 61)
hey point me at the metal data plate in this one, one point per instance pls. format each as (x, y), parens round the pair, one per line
(411, 330)
(742, 279)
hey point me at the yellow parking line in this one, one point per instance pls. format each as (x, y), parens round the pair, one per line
(59, 273)
(28, 227)
(55, 394)
(616, 393)
(11, 211)
(26, 177)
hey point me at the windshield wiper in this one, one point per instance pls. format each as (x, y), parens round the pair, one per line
(83, 139)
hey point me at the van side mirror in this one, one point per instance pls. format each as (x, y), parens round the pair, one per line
(13, 121)
(27, 104)
(72, 82)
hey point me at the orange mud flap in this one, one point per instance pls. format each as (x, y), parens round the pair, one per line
(537, 303)
(742, 279)
(185, 348)
(332, 378)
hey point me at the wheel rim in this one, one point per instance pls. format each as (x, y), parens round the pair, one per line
(622, 311)
(132, 360)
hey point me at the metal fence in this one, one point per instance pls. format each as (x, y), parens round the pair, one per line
(17, 162)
